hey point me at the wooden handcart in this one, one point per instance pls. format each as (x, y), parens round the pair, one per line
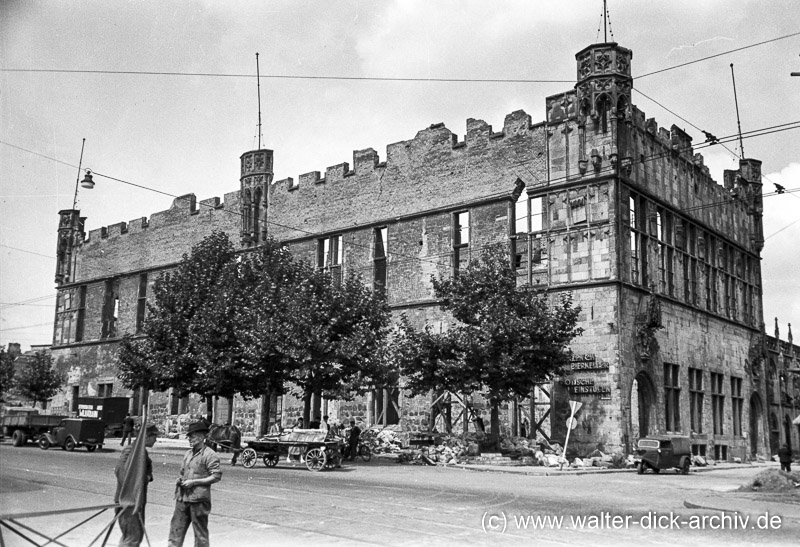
(319, 449)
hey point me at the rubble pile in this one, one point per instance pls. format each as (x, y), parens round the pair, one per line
(382, 441)
(452, 450)
(446, 450)
(773, 480)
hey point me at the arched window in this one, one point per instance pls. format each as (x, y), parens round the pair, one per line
(246, 210)
(257, 214)
(603, 106)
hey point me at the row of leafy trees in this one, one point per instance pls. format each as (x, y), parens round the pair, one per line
(35, 379)
(223, 323)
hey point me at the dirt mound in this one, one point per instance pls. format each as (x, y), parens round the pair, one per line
(773, 480)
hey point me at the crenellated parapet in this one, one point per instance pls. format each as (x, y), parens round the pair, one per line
(147, 243)
(434, 170)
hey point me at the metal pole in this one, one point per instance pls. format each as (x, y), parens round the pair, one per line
(80, 163)
(738, 123)
(258, 84)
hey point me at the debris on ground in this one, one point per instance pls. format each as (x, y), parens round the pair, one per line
(451, 449)
(774, 480)
(381, 440)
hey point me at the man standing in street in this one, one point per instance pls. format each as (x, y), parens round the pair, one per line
(200, 469)
(785, 457)
(127, 429)
(355, 433)
(132, 525)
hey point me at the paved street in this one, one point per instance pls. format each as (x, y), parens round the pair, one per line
(386, 503)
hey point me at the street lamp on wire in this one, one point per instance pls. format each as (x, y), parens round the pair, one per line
(87, 181)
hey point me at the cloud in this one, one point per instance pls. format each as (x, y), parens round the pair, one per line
(781, 257)
(422, 38)
(696, 44)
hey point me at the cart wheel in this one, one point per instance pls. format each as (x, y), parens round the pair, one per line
(640, 468)
(685, 468)
(91, 447)
(365, 452)
(271, 460)
(69, 444)
(315, 459)
(44, 444)
(18, 438)
(249, 457)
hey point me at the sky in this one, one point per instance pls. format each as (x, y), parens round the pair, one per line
(72, 70)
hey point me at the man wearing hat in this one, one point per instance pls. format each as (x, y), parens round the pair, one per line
(132, 524)
(200, 469)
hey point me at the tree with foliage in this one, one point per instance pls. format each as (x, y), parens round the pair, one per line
(221, 324)
(37, 380)
(189, 341)
(267, 280)
(338, 334)
(506, 340)
(6, 372)
(302, 326)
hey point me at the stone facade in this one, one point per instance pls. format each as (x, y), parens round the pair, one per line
(777, 376)
(596, 200)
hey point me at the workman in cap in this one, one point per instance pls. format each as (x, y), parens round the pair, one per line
(132, 525)
(199, 470)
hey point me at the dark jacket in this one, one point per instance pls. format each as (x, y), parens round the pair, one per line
(784, 454)
(119, 471)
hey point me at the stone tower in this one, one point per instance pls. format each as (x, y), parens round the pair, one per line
(70, 235)
(603, 94)
(256, 177)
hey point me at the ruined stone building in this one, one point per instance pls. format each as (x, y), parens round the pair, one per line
(596, 199)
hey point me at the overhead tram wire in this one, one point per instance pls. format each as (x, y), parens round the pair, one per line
(372, 78)
(709, 138)
(289, 76)
(30, 300)
(717, 55)
(26, 251)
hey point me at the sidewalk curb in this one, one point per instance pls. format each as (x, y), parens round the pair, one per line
(553, 471)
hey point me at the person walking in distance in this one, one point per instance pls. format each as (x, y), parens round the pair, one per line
(785, 457)
(199, 470)
(127, 429)
(132, 525)
(355, 433)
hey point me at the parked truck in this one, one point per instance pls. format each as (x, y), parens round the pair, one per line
(110, 410)
(23, 425)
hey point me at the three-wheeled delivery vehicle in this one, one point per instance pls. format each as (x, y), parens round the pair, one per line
(72, 432)
(664, 452)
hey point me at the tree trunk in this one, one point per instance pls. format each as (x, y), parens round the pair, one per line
(494, 423)
(263, 427)
(532, 427)
(210, 409)
(307, 395)
(466, 415)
